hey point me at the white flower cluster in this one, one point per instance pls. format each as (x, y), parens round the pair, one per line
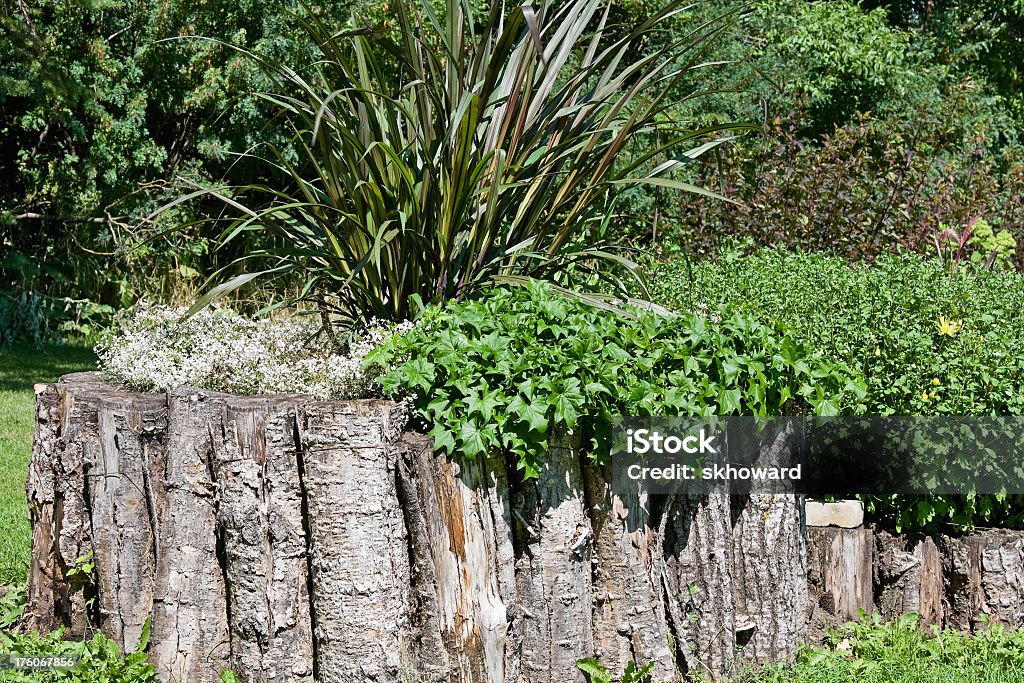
(221, 350)
(702, 311)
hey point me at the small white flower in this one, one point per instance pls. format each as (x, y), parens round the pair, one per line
(218, 349)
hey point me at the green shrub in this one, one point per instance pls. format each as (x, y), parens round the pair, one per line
(504, 371)
(845, 59)
(101, 113)
(885, 320)
(863, 189)
(874, 136)
(980, 37)
(828, 59)
(926, 342)
(29, 317)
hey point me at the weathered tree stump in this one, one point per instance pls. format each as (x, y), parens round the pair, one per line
(630, 621)
(190, 636)
(839, 565)
(698, 581)
(964, 582)
(984, 579)
(298, 540)
(908, 577)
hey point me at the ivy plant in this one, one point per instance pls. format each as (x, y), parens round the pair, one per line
(508, 369)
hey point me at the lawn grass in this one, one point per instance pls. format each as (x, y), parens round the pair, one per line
(21, 367)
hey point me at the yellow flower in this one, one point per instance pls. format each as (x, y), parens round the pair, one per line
(948, 327)
(878, 351)
(935, 381)
(924, 395)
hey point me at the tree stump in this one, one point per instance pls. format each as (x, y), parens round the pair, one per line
(839, 566)
(985, 579)
(909, 577)
(630, 620)
(291, 539)
(190, 636)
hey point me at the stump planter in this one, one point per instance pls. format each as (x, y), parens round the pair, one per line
(290, 539)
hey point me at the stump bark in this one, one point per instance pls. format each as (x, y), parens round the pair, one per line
(298, 540)
(909, 577)
(984, 579)
(839, 565)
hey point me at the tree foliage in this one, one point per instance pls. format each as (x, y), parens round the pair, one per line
(103, 105)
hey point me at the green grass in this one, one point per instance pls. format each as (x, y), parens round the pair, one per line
(21, 367)
(901, 652)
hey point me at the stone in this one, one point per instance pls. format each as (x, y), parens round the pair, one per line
(845, 514)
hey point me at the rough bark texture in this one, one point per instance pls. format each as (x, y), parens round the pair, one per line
(256, 466)
(629, 618)
(190, 623)
(553, 568)
(984, 576)
(58, 494)
(908, 577)
(698, 594)
(358, 550)
(296, 540)
(47, 585)
(839, 566)
(126, 540)
(461, 524)
(206, 514)
(962, 583)
(770, 563)
(428, 648)
(770, 577)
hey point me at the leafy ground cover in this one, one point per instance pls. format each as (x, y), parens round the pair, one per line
(101, 661)
(20, 368)
(502, 371)
(903, 322)
(901, 652)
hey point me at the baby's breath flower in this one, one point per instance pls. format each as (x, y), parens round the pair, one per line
(218, 349)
